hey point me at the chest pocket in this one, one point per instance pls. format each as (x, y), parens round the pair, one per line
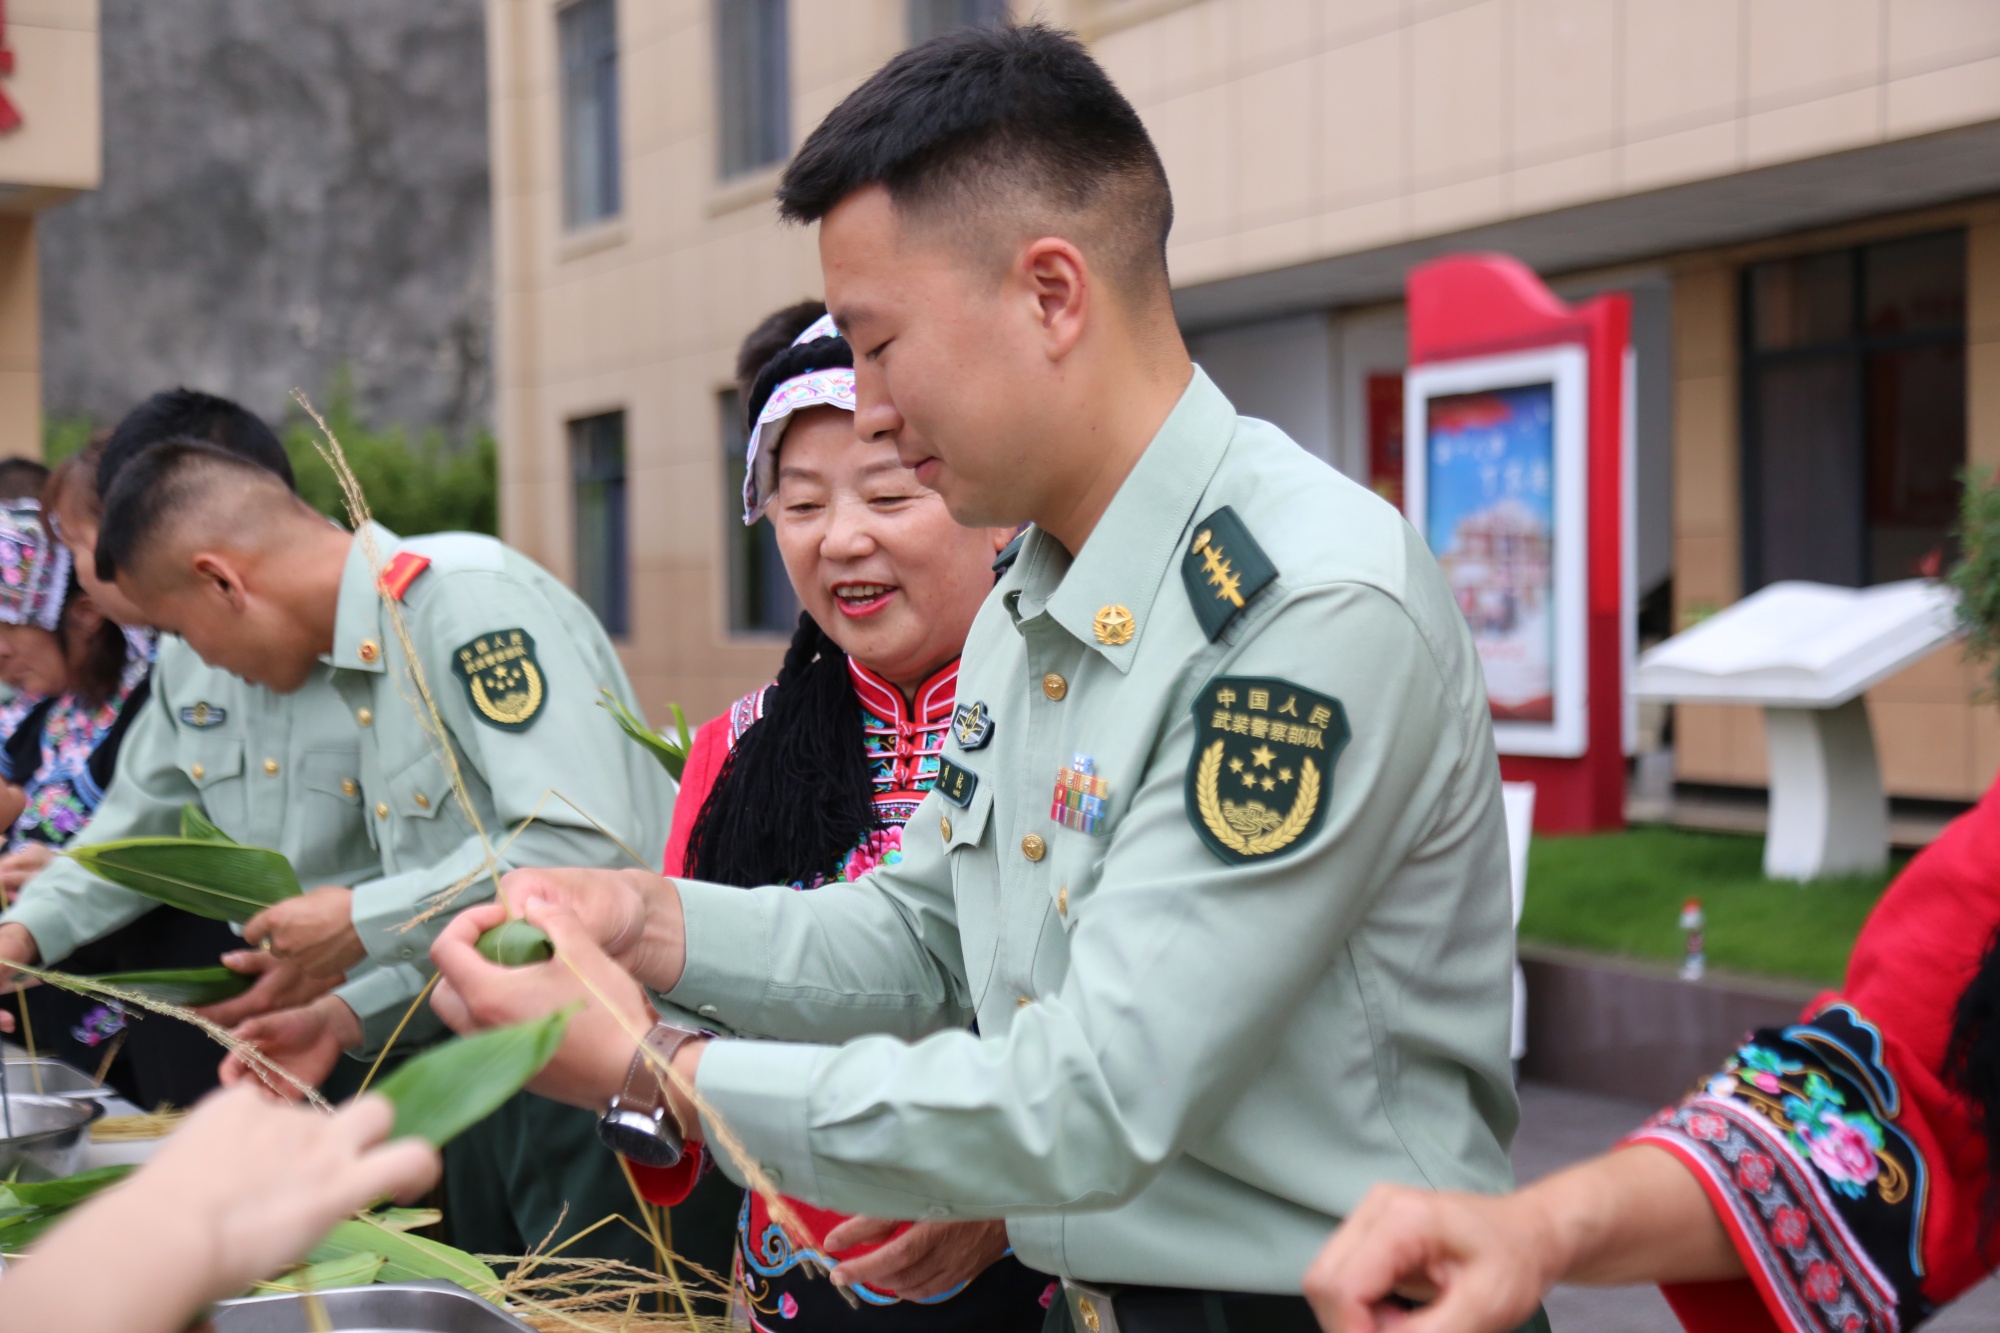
(335, 773)
(214, 764)
(969, 850)
(968, 824)
(421, 789)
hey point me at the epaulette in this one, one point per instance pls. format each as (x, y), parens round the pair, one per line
(1010, 552)
(401, 572)
(1223, 569)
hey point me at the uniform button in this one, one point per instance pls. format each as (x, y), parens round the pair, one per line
(775, 1176)
(349, 787)
(1062, 901)
(1033, 847)
(365, 716)
(407, 952)
(381, 810)
(708, 1011)
(944, 824)
(271, 767)
(199, 772)
(1023, 1002)
(936, 1210)
(1054, 685)
(370, 650)
(423, 801)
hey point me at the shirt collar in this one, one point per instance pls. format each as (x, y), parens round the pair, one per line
(1129, 556)
(934, 696)
(357, 622)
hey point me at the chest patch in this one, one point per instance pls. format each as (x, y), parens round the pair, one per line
(204, 714)
(1264, 752)
(502, 678)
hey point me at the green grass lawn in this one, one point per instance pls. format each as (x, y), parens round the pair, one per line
(1621, 893)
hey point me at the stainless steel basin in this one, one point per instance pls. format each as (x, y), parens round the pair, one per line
(50, 1136)
(57, 1079)
(389, 1307)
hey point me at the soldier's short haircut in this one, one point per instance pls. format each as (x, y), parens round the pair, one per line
(985, 123)
(193, 415)
(159, 484)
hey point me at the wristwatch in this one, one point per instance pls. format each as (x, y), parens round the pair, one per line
(638, 1124)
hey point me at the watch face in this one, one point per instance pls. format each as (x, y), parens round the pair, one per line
(639, 1138)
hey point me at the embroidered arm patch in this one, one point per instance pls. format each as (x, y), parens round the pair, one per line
(1264, 751)
(502, 678)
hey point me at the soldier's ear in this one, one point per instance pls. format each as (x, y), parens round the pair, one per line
(216, 572)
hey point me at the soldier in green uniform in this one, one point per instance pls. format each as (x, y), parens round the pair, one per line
(1216, 859)
(267, 591)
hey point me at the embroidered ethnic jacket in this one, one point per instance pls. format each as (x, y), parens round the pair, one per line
(1216, 859)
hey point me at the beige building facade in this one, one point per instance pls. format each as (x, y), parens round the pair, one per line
(1802, 197)
(50, 150)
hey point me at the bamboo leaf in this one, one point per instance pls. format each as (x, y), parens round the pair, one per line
(224, 881)
(407, 1258)
(405, 1219)
(195, 824)
(349, 1270)
(672, 754)
(67, 1191)
(189, 987)
(449, 1088)
(516, 943)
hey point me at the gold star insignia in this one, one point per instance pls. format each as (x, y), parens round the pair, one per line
(1250, 780)
(1269, 783)
(1228, 586)
(1284, 775)
(1263, 754)
(1236, 766)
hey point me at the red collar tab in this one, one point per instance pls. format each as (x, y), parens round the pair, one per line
(401, 572)
(933, 703)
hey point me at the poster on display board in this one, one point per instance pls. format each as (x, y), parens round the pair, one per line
(1494, 479)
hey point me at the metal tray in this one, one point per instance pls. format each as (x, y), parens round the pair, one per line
(57, 1079)
(50, 1136)
(389, 1307)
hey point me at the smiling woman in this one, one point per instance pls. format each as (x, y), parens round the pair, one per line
(809, 781)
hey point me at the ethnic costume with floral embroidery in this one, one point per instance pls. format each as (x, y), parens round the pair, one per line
(1847, 1175)
(65, 789)
(905, 742)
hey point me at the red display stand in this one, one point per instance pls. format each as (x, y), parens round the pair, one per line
(1543, 574)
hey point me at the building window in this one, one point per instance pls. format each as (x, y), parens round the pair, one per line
(597, 471)
(928, 18)
(587, 33)
(1853, 412)
(761, 600)
(752, 81)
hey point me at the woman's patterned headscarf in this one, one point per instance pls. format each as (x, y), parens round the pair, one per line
(831, 387)
(34, 568)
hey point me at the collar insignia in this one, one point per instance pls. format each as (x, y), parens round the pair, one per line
(204, 714)
(1264, 752)
(1223, 570)
(1114, 626)
(971, 726)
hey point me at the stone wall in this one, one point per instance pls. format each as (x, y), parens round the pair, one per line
(292, 188)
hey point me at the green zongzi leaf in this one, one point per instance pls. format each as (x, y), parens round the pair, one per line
(65, 1191)
(214, 879)
(406, 1258)
(449, 1088)
(672, 754)
(515, 943)
(349, 1270)
(405, 1219)
(195, 824)
(191, 987)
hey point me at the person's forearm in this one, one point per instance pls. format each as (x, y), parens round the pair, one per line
(165, 1271)
(1634, 1215)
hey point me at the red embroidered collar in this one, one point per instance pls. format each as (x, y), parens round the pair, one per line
(904, 739)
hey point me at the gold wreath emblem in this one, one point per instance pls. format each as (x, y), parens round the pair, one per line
(1252, 828)
(516, 706)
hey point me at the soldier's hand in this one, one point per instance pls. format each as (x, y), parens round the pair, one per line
(473, 995)
(23, 864)
(279, 984)
(305, 1043)
(634, 916)
(314, 930)
(923, 1263)
(16, 946)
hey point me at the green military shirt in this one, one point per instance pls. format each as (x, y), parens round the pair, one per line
(514, 662)
(273, 770)
(341, 776)
(1216, 860)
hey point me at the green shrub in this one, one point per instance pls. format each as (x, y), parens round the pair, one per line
(1976, 576)
(412, 486)
(63, 436)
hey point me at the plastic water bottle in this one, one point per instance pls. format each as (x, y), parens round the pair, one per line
(1694, 961)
